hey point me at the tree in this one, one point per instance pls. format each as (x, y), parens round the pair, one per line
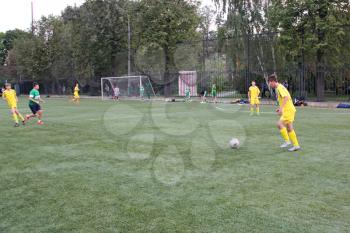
(206, 19)
(7, 41)
(2, 48)
(163, 25)
(104, 24)
(313, 27)
(84, 43)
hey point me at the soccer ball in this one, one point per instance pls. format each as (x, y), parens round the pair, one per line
(234, 143)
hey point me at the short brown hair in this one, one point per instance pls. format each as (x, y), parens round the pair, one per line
(272, 78)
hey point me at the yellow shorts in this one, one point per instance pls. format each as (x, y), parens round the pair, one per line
(254, 101)
(288, 117)
(12, 105)
(76, 97)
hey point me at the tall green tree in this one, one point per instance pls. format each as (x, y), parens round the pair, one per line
(207, 15)
(103, 25)
(83, 43)
(7, 41)
(162, 25)
(246, 36)
(313, 27)
(2, 48)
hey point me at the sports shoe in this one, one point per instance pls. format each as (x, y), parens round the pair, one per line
(294, 148)
(16, 125)
(27, 117)
(24, 122)
(40, 123)
(286, 144)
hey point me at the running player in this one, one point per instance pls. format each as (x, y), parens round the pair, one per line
(287, 112)
(34, 104)
(253, 96)
(10, 96)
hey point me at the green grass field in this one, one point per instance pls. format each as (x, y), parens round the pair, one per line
(167, 167)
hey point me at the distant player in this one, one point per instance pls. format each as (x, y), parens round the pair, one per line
(116, 93)
(142, 92)
(34, 104)
(9, 95)
(213, 93)
(253, 95)
(187, 94)
(287, 112)
(203, 96)
(76, 96)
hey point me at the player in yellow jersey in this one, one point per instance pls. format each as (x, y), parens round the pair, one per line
(253, 95)
(76, 97)
(9, 95)
(287, 112)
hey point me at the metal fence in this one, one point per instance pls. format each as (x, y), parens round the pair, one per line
(230, 63)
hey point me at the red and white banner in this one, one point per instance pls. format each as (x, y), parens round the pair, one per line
(188, 79)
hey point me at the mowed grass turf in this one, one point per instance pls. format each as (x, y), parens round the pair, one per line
(166, 167)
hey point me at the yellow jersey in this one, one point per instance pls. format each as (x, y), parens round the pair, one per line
(76, 91)
(254, 92)
(282, 92)
(11, 97)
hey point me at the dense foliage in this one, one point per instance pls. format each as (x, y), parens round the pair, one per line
(310, 32)
(162, 37)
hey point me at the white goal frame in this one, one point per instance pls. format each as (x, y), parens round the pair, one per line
(140, 77)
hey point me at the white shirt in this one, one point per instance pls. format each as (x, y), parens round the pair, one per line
(116, 91)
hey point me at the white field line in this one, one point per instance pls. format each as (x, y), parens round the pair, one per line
(322, 113)
(221, 109)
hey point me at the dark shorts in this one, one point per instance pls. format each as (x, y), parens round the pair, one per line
(35, 108)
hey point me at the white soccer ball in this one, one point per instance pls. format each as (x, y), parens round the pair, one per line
(234, 143)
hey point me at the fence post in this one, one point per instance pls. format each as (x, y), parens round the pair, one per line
(247, 77)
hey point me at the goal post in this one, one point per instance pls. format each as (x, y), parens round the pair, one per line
(127, 86)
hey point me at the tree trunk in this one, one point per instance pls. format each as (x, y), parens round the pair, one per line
(263, 69)
(274, 58)
(46, 87)
(168, 80)
(53, 87)
(114, 65)
(320, 72)
(320, 78)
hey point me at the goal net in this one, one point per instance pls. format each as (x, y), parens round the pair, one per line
(126, 86)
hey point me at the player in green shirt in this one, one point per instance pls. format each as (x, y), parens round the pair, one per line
(34, 104)
(188, 94)
(213, 93)
(142, 92)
